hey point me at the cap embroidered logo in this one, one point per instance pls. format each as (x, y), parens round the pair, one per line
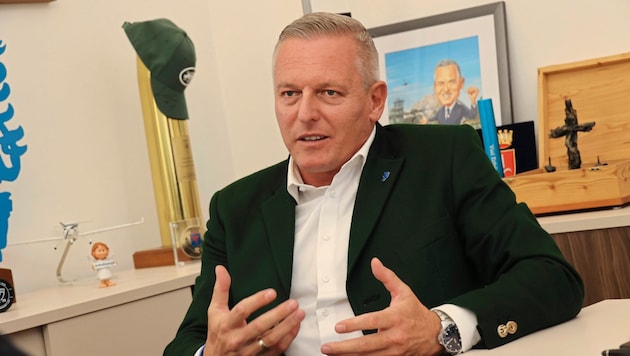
(186, 75)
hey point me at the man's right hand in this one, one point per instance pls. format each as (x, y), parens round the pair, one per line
(230, 334)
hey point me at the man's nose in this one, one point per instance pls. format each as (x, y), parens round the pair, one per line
(307, 109)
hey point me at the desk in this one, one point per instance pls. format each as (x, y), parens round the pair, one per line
(600, 326)
(134, 318)
(137, 316)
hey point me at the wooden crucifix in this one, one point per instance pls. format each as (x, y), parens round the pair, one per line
(570, 131)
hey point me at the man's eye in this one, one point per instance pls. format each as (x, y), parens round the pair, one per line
(330, 92)
(288, 93)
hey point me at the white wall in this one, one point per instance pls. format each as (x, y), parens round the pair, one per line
(72, 72)
(73, 80)
(540, 33)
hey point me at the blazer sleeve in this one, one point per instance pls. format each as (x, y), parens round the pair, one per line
(527, 280)
(236, 238)
(452, 230)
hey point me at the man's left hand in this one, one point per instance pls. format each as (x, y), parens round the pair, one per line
(406, 327)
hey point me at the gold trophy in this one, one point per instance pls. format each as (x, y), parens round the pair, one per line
(166, 64)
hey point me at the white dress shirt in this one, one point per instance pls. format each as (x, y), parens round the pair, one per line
(320, 254)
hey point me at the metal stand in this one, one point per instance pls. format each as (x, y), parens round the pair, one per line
(70, 234)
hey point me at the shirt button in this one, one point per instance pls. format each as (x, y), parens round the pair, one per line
(326, 237)
(326, 279)
(325, 312)
(333, 194)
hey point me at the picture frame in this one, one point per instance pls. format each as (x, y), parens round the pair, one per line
(409, 52)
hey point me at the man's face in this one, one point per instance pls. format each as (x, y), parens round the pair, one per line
(447, 84)
(323, 111)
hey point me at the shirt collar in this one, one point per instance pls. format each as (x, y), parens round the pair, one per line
(294, 179)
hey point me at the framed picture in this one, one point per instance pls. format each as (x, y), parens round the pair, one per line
(437, 67)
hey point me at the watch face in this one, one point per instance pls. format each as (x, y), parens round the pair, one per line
(451, 339)
(6, 295)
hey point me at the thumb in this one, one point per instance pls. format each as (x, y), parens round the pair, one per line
(390, 280)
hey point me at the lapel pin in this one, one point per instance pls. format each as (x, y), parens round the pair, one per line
(385, 176)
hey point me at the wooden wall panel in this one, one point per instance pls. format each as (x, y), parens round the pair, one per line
(602, 257)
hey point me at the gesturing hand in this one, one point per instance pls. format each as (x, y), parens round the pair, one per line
(406, 327)
(230, 334)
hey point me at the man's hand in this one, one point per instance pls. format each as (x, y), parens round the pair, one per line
(230, 334)
(406, 327)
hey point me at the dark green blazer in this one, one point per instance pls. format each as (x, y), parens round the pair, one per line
(442, 220)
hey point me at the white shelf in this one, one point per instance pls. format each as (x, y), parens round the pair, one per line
(584, 221)
(49, 305)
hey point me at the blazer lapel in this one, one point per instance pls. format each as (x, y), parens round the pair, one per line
(377, 180)
(279, 216)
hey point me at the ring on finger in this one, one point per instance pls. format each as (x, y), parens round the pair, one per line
(262, 344)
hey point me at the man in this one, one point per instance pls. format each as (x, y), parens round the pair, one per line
(346, 247)
(448, 82)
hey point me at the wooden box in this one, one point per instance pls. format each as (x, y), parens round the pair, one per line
(600, 91)
(162, 256)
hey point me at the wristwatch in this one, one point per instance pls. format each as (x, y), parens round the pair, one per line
(449, 335)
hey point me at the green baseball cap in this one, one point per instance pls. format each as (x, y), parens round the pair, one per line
(169, 54)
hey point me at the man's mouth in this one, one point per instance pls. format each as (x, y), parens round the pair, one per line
(312, 138)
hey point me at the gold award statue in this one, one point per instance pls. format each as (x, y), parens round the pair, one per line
(166, 64)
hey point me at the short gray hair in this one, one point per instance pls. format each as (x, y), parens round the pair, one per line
(328, 24)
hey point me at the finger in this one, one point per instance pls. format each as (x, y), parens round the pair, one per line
(367, 321)
(280, 336)
(278, 320)
(364, 345)
(243, 309)
(376, 320)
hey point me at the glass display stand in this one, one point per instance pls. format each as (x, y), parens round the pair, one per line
(187, 237)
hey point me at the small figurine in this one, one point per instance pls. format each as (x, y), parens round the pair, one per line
(569, 131)
(102, 264)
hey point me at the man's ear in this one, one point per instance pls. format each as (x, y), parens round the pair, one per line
(378, 97)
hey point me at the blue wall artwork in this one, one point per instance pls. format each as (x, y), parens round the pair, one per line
(11, 152)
